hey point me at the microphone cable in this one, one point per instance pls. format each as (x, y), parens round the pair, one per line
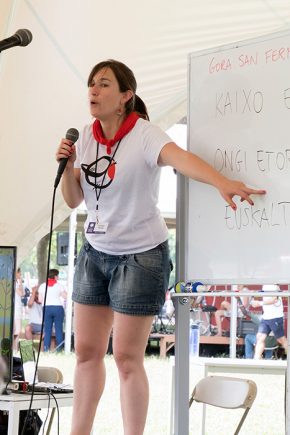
(43, 314)
(72, 134)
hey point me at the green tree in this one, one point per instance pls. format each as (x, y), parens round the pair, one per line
(36, 261)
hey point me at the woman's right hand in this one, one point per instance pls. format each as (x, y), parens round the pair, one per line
(66, 150)
(70, 186)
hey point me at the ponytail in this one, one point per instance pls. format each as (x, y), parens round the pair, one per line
(140, 108)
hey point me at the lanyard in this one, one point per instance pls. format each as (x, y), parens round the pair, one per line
(99, 187)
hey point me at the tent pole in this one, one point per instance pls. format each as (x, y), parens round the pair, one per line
(71, 254)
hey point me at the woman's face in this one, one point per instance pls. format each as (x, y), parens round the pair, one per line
(105, 97)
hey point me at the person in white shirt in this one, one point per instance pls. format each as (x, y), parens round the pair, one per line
(272, 320)
(34, 314)
(53, 311)
(18, 309)
(123, 269)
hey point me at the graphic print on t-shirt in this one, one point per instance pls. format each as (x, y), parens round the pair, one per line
(100, 173)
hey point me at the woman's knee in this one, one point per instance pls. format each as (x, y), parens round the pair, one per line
(127, 362)
(87, 351)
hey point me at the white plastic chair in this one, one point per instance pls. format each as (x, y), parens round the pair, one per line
(226, 392)
(50, 374)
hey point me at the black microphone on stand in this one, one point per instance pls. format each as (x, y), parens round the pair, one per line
(22, 37)
(73, 135)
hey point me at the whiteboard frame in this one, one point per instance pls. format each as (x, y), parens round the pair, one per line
(182, 229)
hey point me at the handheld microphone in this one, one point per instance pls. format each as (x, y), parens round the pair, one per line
(22, 37)
(73, 135)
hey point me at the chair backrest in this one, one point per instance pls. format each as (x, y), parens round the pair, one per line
(50, 374)
(225, 392)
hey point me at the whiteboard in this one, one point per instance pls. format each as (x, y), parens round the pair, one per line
(239, 122)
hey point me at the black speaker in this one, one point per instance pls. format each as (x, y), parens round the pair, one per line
(247, 327)
(62, 249)
(62, 241)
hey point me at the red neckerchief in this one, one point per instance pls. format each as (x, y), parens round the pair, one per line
(51, 282)
(127, 125)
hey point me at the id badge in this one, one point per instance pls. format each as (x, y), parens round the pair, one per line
(97, 228)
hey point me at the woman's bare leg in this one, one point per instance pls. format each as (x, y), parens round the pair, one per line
(260, 345)
(130, 338)
(219, 315)
(283, 342)
(92, 327)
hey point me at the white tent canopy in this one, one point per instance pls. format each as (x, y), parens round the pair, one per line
(43, 86)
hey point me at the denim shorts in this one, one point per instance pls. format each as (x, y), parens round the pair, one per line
(275, 325)
(132, 284)
(35, 328)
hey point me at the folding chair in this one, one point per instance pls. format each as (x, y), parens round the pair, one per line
(226, 392)
(50, 374)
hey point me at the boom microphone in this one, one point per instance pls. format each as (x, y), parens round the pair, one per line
(22, 37)
(73, 135)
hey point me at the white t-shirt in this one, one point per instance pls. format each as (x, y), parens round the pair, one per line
(35, 313)
(17, 303)
(273, 311)
(54, 292)
(128, 199)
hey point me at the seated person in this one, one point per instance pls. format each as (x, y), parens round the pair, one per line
(35, 315)
(19, 293)
(225, 308)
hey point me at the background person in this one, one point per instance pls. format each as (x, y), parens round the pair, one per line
(123, 269)
(54, 311)
(24, 301)
(272, 320)
(34, 314)
(251, 338)
(225, 307)
(18, 311)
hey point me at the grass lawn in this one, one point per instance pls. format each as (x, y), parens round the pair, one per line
(265, 418)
